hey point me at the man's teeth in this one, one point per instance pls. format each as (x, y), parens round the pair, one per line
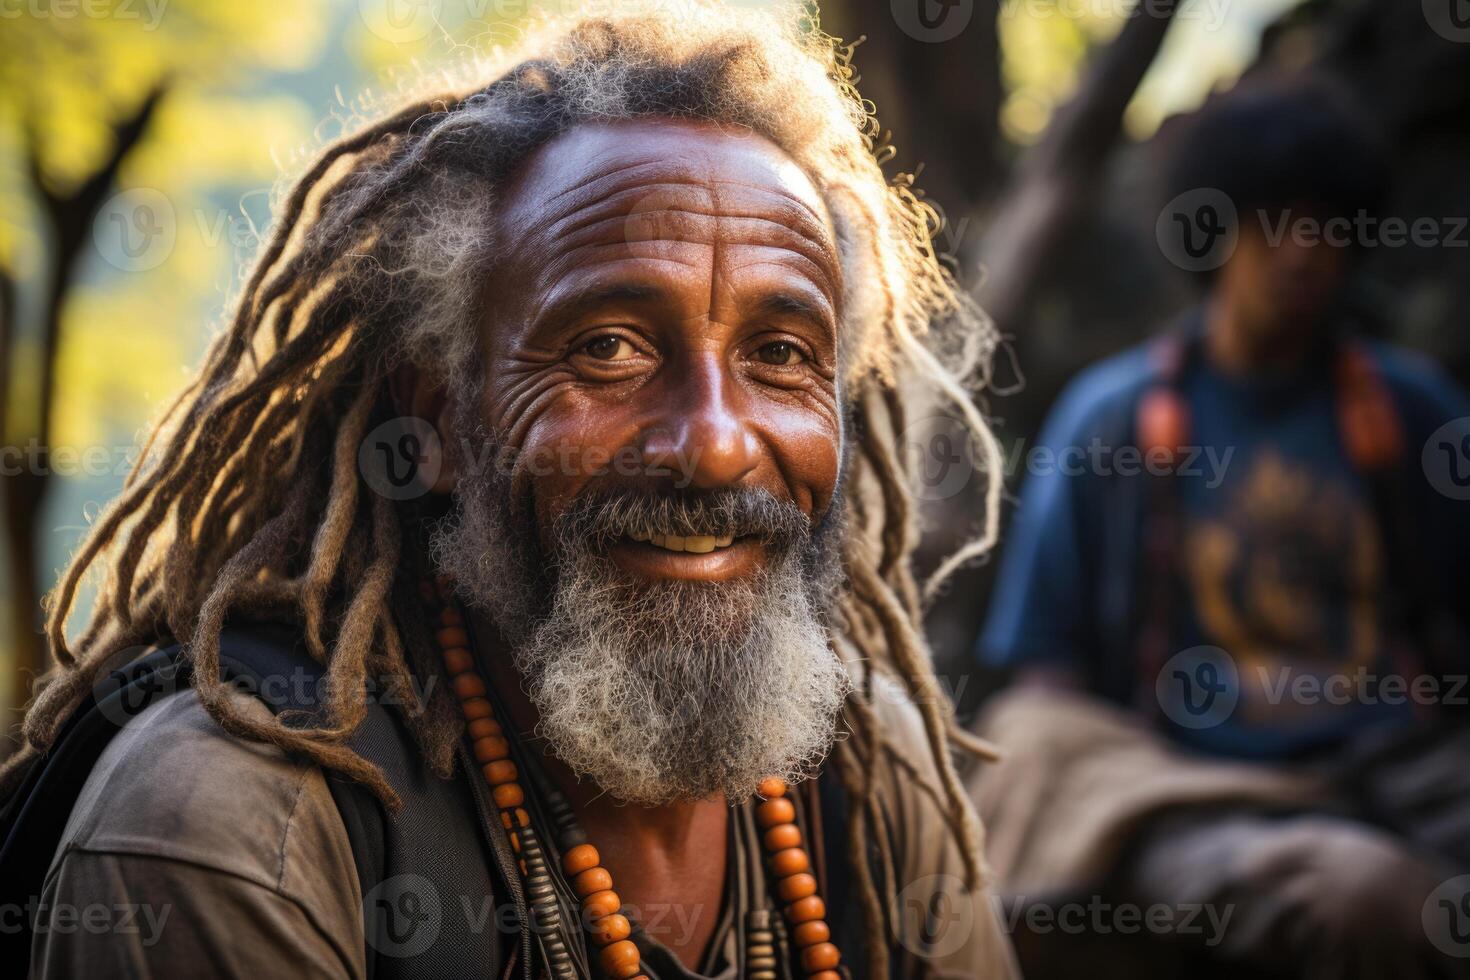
(698, 544)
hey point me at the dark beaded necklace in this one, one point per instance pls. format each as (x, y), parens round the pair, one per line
(787, 861)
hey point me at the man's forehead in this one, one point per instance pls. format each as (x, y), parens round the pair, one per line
(606, 165)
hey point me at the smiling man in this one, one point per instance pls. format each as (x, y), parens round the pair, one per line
(625, 677)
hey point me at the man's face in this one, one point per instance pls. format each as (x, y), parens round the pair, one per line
(1284, 283)
(667, 318)
(660, 374)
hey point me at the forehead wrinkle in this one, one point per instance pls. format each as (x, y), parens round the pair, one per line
(595, 232)
(630, 176)
(815, 227)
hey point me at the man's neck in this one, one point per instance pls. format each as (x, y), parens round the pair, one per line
(670, 857)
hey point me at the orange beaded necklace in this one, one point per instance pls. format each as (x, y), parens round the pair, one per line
(786, 857)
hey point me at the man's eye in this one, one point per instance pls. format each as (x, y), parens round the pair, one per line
(609, 347)
(780, 353)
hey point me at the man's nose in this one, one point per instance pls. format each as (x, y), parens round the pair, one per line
(703, 437)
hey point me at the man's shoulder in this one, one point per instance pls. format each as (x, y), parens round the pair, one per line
(173, 785)
(1429, 395)
(1100, 397)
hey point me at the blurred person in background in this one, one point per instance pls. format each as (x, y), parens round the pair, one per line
(1235, 606)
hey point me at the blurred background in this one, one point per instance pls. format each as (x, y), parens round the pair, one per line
(140, 141)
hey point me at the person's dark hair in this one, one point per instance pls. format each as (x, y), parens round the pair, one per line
(1279, 142)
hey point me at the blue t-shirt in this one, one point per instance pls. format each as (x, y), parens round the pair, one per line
(1281, 635)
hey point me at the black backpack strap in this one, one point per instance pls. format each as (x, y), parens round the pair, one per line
(844, 918)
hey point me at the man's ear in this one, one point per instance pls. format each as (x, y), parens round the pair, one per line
(417, 396)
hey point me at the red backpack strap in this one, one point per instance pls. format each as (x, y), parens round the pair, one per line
(1372, 433)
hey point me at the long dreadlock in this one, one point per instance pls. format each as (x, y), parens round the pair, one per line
(248, 500)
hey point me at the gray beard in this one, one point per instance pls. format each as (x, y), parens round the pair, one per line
(669, 691)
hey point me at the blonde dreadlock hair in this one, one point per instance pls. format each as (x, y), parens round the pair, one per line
(249, 500)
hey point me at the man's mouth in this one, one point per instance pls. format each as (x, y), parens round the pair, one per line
(699, 544)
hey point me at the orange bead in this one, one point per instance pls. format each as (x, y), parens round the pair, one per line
(771, 787)
(825, 975)
(611, 928)
(481, 727)
(508, 795)
(516, 817)
(592, 880)
(452, 636)
(782, 837)
(476, 708)
(620, 959)
(515, 842)
(451, 616)
(791, 861)
(806, 909)
(500, 771)
(468, 685)
(773, 812)
(579, 859)
(822, 956)
(796, 886)
(599, 904)
(490, 748)
(811, 933)
(457, 660)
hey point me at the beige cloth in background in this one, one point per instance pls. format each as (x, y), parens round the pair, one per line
(1079, 777)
